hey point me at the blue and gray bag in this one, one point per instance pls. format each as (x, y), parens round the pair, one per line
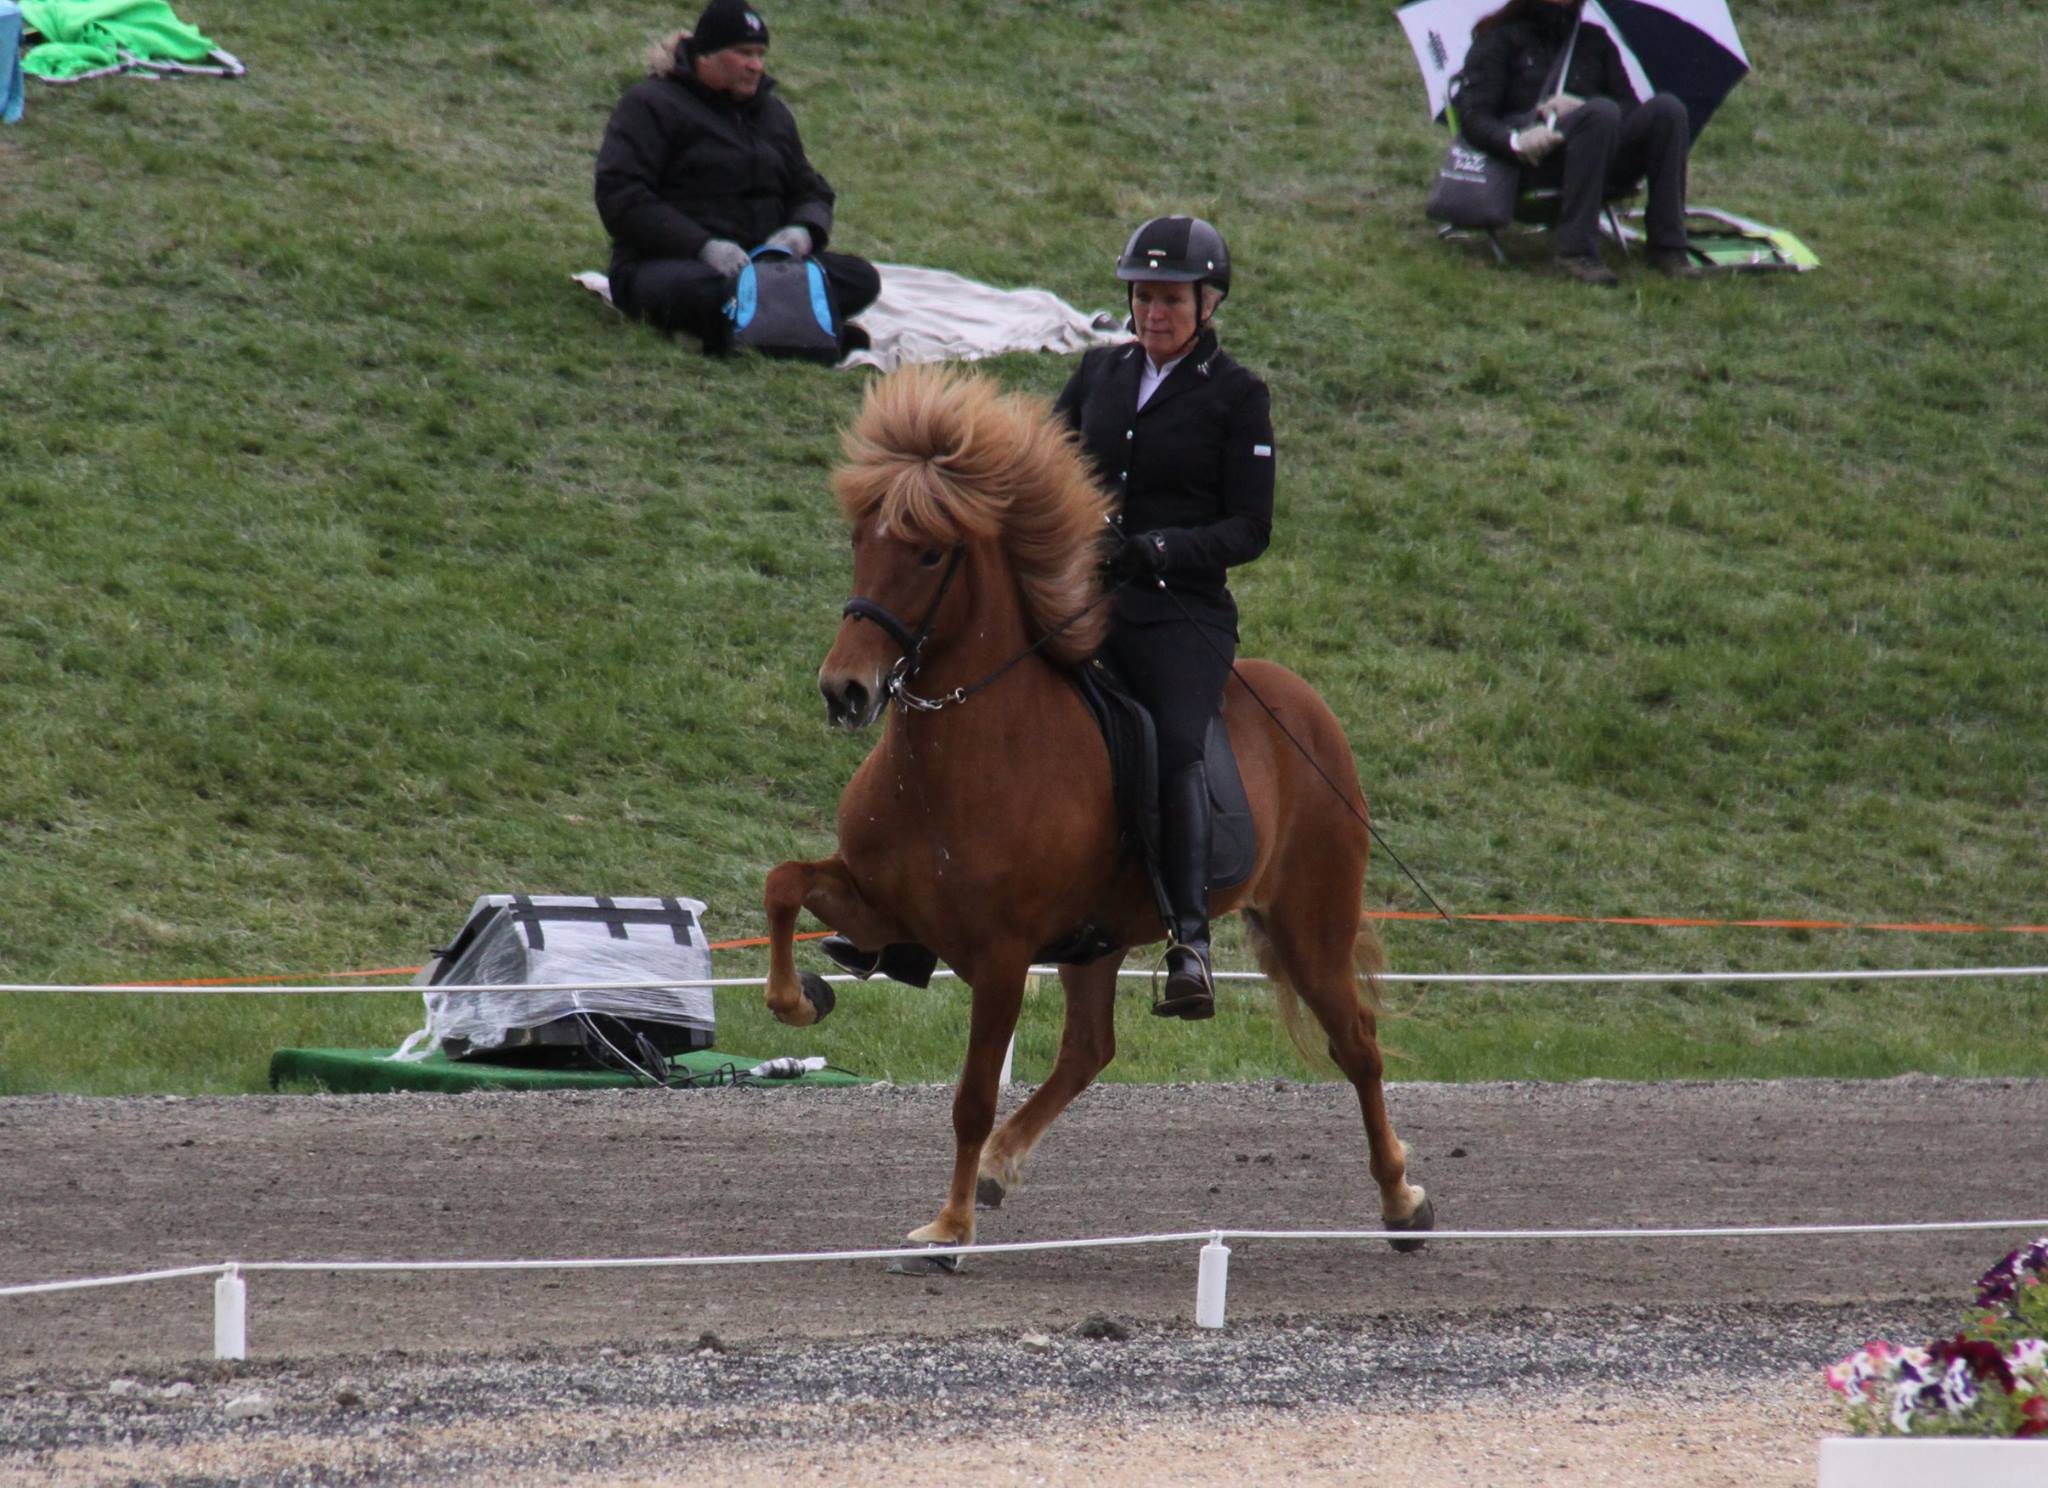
(782, 307)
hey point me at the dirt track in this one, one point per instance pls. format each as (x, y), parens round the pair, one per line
(97, 1187)
(1497, 1334)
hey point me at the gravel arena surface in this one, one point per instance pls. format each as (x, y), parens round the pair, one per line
(1682, 1362)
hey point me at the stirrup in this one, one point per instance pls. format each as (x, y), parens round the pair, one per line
(1192, 1002)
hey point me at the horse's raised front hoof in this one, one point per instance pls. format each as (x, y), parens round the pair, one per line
(1424, 1218)
(818, 993)
(926, 1265)
(988, 1193)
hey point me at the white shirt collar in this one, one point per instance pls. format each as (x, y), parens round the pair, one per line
(1150, 378)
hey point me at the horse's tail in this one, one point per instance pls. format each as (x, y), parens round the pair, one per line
(1368, 958)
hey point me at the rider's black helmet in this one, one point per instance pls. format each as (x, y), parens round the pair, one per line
(1176, 250)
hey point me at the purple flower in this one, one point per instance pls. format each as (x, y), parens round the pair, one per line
(2002, 1282)
(1958, 1387)
(1975, 1358)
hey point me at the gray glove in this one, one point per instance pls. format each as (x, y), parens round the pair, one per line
(795, 240)
(1559, 106)
(725, 256)
(1532, 144)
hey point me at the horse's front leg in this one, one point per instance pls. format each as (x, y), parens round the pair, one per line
(825, 888)
(1087, 1044)
(998, 984)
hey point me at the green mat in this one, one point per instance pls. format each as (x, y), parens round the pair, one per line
(365, 1071)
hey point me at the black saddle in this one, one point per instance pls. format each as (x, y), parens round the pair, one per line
(1134, 781)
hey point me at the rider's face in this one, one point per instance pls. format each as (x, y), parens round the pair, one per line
(1163, 315)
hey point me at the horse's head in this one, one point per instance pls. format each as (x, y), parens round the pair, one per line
(904, 586)
(940, 465)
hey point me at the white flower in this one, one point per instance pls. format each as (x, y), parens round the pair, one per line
(1958, 1387)
(1902, 1405)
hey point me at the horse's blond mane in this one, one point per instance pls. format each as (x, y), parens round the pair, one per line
(944, 454)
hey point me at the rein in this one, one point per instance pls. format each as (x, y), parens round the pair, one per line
(911, 642)
(1302, 749)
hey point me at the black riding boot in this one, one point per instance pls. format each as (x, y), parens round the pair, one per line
(905, 961)
(1184, 845)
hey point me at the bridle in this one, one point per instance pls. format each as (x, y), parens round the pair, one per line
(911, 642)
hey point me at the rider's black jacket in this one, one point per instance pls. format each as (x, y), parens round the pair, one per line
(1195, 465)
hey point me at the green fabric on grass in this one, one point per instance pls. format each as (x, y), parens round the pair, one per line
(373, 1071)
(90, 35)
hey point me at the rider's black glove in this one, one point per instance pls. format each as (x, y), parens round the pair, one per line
(1141, 559)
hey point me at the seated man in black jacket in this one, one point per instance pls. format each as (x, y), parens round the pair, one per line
(1591, 134)
(701, 164)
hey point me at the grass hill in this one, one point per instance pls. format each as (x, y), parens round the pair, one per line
(352, 563)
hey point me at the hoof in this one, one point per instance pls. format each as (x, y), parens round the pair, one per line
(1424, 1218)
(937, 1265)
(818, 993)
(988, 1193)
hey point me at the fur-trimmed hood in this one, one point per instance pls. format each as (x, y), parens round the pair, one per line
(669, 56)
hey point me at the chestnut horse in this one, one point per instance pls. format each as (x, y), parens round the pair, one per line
(982, 825)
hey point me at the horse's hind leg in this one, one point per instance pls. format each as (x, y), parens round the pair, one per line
(1087, 1044)
(827, 890)
(1320, 953)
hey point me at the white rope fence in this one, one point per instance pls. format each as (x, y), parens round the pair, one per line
(231, 1298)
(1474, 979)
(1471, 979)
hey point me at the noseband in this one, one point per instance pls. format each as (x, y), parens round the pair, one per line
(910, 642)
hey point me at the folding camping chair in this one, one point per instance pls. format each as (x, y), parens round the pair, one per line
(1537, 208)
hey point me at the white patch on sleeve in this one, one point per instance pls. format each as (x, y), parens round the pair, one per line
(1263, 451)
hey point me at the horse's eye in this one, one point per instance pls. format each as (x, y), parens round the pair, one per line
(930, 557)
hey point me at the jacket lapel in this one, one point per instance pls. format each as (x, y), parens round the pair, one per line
(1124, 373)
(1187, 372)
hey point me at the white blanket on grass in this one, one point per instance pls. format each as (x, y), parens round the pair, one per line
(930, 315)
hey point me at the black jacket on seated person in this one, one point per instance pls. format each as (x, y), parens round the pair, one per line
(1195, 465)
(681, 165)
(1504, 73)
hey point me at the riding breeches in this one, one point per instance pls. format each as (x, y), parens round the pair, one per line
(1177, 670)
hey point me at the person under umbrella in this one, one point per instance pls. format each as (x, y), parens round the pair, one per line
(1593, 137)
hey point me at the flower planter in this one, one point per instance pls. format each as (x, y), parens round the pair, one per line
(1932, 1462)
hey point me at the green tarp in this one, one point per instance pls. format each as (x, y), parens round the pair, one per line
(369, 1071)
(84, 36)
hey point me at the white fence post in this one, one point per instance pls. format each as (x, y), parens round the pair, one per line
(231, 1315)
(1211, 1283)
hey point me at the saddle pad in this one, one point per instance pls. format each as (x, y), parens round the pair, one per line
(1134, 777)
(1234, 839)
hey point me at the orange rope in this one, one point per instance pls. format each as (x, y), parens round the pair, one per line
(1669, 922)
(1653, 921)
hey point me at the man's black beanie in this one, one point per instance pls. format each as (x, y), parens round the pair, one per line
(728, 23)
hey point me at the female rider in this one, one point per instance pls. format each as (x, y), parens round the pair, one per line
(1182, 437)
